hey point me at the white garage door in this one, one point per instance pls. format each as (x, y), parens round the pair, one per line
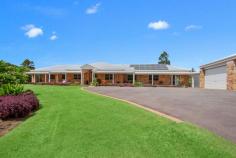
(215, 78)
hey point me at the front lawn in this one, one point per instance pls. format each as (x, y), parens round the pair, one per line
(75, 123)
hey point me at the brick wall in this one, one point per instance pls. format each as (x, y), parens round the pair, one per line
(231, 75)
(143, 78)
(202, 78)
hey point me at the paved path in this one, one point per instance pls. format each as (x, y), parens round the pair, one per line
(211, 109)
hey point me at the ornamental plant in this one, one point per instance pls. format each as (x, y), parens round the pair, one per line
(18, 106)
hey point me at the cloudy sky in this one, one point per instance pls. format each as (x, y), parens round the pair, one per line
(135, 31)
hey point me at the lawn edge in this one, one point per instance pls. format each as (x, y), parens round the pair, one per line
(137, 105)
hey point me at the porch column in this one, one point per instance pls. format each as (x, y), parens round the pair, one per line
(113, 78)
(56, 78)
(172, 80)
(82, 78)
(152, 80)
(93, 76)
(49, 77)
(45, 78)
(133, 78)
(66, 77)
(192, 81)
(33, 78)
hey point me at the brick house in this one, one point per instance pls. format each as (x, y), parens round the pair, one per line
(220, 74)
(114, 74)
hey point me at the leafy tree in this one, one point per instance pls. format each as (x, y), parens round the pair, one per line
(12, 74)
(164, 58)
(28, 64)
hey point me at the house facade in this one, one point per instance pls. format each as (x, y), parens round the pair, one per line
(114, 74)
(219, 74)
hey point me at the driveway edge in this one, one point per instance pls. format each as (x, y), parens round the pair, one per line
(137, 105)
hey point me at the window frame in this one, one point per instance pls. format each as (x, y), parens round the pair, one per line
(155, 77)
(78, 77)
(108, 77)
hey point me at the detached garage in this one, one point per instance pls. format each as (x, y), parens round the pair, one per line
(220, 74)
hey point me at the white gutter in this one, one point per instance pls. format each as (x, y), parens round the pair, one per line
(220, 62)
(167, 73)
(51, 72)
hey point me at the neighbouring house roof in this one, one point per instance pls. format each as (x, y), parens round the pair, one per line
(219, 62)
(102, 67)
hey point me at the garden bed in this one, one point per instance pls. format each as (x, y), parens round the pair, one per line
(8, 125)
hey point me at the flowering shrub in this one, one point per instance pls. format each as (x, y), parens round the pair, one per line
(18, 106)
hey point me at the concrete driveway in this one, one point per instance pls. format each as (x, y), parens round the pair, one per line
(211, 109)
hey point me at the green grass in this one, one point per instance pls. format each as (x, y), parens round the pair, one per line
(75, 123)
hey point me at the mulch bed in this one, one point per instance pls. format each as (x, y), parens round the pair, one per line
(8, 125)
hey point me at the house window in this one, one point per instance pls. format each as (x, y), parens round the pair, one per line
(77, 76)
(150, 77)
(130, 78)
(108, 76)
(52, 77)
(155, 77)
(63, 76)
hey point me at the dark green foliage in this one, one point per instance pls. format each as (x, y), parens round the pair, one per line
(164, 58)
(28, 64)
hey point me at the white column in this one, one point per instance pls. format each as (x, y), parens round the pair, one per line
(172, 80)
(113, 78)
(45, 78)
(82, 78)
(34, 78)
(133, 78)
(152, 80)
(66, 77)
(192, 81)
(49, 77)
(93, 76)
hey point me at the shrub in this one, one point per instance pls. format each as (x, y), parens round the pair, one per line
(1, 91)
(12, 89)
(18, 106)
(138, 84)
(94, 82)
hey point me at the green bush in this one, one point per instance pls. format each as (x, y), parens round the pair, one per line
(94, 82)
(12, 74)
(138, 84)
(12, 89)
(1, 91)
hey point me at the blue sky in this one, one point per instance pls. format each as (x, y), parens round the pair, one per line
(135, 31)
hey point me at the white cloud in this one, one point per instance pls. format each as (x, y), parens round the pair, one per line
(93, 9)
(32, 31)
(193, 27)
(53, 36)
(158, 25)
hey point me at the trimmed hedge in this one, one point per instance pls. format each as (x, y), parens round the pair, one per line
(18, 106)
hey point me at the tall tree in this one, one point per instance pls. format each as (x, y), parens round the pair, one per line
(164, 58)
(28, 64)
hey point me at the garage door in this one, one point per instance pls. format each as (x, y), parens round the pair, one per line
(215, 78)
